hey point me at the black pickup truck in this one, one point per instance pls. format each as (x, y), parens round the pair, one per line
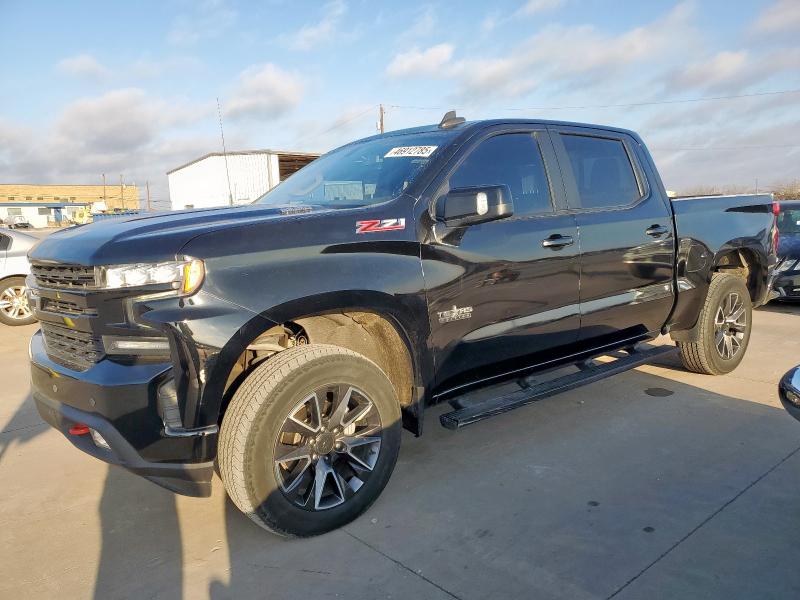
(287, 342)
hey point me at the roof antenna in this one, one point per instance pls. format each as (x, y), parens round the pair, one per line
(224, 152)
(451, 120)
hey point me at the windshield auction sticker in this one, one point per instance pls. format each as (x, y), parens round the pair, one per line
(415, 151)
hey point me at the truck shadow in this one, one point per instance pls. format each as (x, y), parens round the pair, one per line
(23, 426)
(569, 497)
(785, 308)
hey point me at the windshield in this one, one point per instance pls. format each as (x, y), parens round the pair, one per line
(360, 174)
(789, 221)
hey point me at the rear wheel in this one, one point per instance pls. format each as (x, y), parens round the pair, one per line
(723, 329)
(14, 308)
(309, 440)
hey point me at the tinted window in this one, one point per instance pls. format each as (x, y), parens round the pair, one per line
(5, 242)
(789, 221)
(512, 159)
(602, 170)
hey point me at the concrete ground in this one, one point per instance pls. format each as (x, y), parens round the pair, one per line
(654, 484)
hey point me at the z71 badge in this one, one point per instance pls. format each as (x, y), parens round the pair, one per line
(376, 225)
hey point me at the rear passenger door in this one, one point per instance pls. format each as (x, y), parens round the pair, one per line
(626, 234)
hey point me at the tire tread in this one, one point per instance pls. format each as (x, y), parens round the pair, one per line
(254, 395)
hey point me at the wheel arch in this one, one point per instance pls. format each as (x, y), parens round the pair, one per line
(745, 262)
(374, 324)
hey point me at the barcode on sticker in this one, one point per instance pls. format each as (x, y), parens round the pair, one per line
(420, 151)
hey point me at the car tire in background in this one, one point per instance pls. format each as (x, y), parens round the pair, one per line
(309, 440)
(722, 332)
(14, 309)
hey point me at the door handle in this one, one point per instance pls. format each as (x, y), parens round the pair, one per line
(656, 230)
(557, 241)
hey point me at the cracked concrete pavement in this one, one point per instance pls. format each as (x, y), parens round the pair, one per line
(653, 484)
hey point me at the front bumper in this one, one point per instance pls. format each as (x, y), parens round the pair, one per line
(120, 402)
(787, 285)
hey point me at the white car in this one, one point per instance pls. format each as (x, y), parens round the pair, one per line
(17, 222)
(14, 267)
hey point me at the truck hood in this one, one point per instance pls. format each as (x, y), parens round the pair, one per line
(152, 237)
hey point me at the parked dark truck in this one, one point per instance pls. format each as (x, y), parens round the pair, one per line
(291, 339)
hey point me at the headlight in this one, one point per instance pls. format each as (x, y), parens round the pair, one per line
(186, 275)
(786, 265)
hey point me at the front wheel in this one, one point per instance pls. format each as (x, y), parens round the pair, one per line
(723, 328)
(14, 308)
(309, 440)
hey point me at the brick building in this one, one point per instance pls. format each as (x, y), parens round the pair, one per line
(114, 196)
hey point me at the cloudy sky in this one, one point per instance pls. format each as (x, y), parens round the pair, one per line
(131, 88)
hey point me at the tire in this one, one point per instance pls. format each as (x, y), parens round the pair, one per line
(707, 353)
(11, 311)
(256, 428)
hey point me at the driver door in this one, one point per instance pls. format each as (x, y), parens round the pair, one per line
(498, 292)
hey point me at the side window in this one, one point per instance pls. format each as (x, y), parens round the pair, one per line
(5, 242)
(603, 171)
(513, 159)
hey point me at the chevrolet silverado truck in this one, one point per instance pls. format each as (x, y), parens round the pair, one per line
(288, 342)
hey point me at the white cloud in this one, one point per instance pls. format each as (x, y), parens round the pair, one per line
(84, 66)
(734, 71)
(265, 92)
(416, 62)
(314, 34)
(534, 7)
(123, 131)
(783, 16)
(579, 55)
(722, 68)
(207, 20)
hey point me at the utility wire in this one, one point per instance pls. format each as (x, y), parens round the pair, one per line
(623, 105)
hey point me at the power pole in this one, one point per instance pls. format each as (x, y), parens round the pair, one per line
(104, 190)
(380, 117)
(121, 192)
(147, 185)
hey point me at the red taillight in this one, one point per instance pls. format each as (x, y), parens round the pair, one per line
(79, 429)
(776, 234)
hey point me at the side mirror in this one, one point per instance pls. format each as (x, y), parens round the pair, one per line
(789, 391)
(470, 206)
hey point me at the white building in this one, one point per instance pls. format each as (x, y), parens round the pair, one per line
(217, 179)
(43, 214)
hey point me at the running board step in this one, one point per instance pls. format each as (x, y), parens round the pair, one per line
(589, 374)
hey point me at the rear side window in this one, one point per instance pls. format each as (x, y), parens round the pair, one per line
(5, 242)
(603, 171)
(789, 221)
(513, 159)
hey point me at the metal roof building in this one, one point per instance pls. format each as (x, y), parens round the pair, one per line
(219, 179)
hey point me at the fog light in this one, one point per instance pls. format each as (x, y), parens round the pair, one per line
(792, 397)
(99, 440)
(142, 346)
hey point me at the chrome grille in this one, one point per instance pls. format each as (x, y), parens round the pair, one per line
(64, 276)
(66, 307)
(76, 350)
